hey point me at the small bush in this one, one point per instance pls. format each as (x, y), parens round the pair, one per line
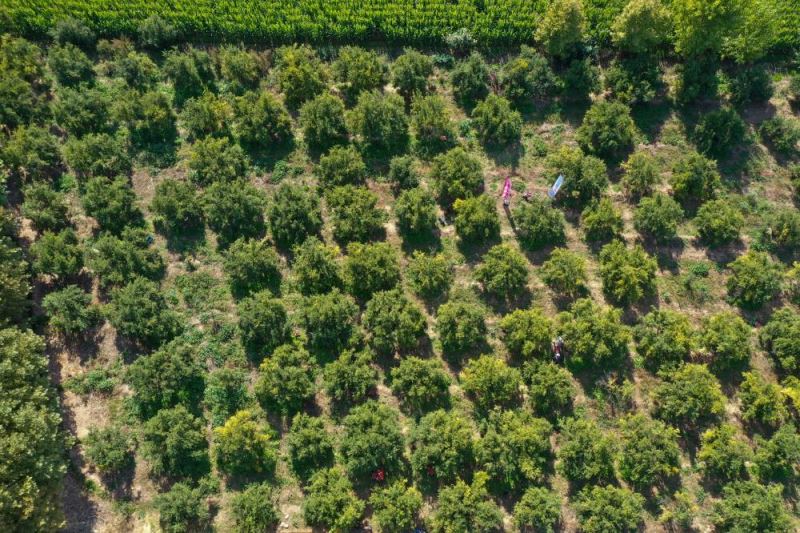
(726, 338)
(350, 378)
(781, 338)
(293, 214)
(586, 454)
(355, 213)
(460, 326)
(593, 335)
(244, 445)
(72, 30)
(665, 338)
(286, 380)
(503, 272)
(550, 389)
(527, 333)
(410, 73)
(329, 321)
(476, 219)
(380, 122)
(70, 65)
(755, 279)
(139, 311)
(690, 398)
(781, 133)
(749, 85)
(762, 402)
(310, 446)
(609, 509)
(342, 165)
(323, 122)
(718, 222)
(657, 217)
(601, 221)
(330, 501)
(421, 384)
(155, 33)
(393, 323)
(70, 310)
(253, 509)
(565, 273)
(369, 268)
(586, 177)
(177, 207)
(46, 207)
(456, 175)
(496, 124)
(491, 383)
(226, 393)
(316, 268)
(607, 130)
(642, 173)
(782, 232)
(528, 77)
(633, 80)
(108, 449)
(538, 224)
(402, 174)
(694, 179)
(470, 80)
(430, 120)
(718, 132)
(628, 274)
(263, 324)
(429, 275)
(416, 212)
(252, 266)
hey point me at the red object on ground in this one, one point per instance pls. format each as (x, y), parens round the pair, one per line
(379, 475)
(431, 471)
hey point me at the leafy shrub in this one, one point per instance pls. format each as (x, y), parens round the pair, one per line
(108, 449)
(192, 75)
(723, 455)
(717, 132)
(782, 233)
(301, 75)
(70, 310)
(416, 211)
(607, 130)
(293, 214)
(82, 110)
(694, 179)
(310, 446)
(467, 507)
(657, 217)
(665, 338)
(456, 175)
(781, 338)
(565, 273)
(550, 389)
(561, 28)
(460, 326)
(370, 268)
(149, 119)
(515, 450)
(253, 509)
(396, 507)
(690, 397)
(430, 120)
(580, 79)
(31, 153)
(777, 458)
(330, 501)
(421, 384)
(354, 213)
(225, 394)
(46, 208)
(234, 210)
(749, 85)
(372, 441)
(642, 173)
(155, 33)
(718, 222)
(112, 204)
(176, 207)
(601, 221)
(749, 506)
(642, 27)
(528, 77)
(527, 333)
(380, 121)
(182, 509)
(342, 165)
(286, 380)
(393, 323)
(503, 272)
(251, 266)
(402, 174)
(261, 121)
(358, 70)
(244, 446)
(441, 447)
(57, 254)
(429, 275)
(213, 160)
(74, 31)
(139, 311)
(649, 451)
(496, 123)
(323, 122)
(70, 65)
(329, 321)
(410, 73)
(633, 80)
(350, 378)
(586, 175)
(755, 279)
(609, 508)
(263, 324)
(586, 454)
(118, 260)
(593, 335)
(174, 443)
(696, 79)
(762, 402)
(782, 133)
(206, 115)
(476, 219)
(539, 509)
(239, 68)
(315, 268)
(538, 224)
(627, 274)
(726, 337)
(491, 383)
(470, 80)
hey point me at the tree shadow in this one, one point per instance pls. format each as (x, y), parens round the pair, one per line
(650, 117)
(667, 253)
(429, 243)
(264, 159)
(508, 156)
(723, 255)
